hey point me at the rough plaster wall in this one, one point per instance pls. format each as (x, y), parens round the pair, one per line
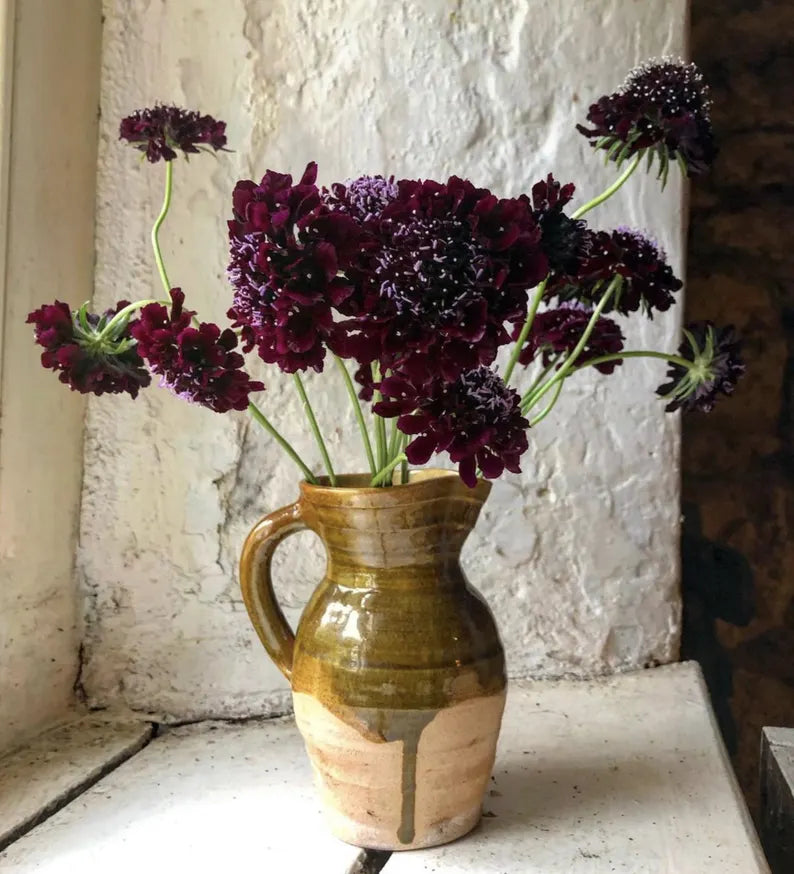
(578, 556)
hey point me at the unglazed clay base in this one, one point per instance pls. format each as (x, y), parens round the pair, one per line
(402, 779)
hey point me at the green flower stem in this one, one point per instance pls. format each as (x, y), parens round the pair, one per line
(260, 417)
(380, 431)
(404, 464)
(380, 425)
(541, 416)
(519, 344)
(395, 440)
(603, 359)
(158, 256)
(615, 186)
(123, 313)
(605, 195)
(351, 390)
(568, 364)
(639, 353)
(307, 407)
(255, 412)
(541, 376)
(381, 475)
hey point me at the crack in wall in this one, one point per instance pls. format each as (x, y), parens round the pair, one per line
(78, 687)
(227, 485)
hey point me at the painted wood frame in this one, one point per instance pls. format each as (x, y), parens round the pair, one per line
(49, 100)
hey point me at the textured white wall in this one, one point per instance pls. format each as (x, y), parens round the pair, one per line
(579, 555)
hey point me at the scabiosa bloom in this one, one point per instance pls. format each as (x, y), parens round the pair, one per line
(452, 264)
(197, 364)
(85, 356)
(476, 419)
(717, 368)
(663, 108)
(556, 333)
(288, 251)
(364, 198)
(563, 239)
(161, 130)
(648, 280)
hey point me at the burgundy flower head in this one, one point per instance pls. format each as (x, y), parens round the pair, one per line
(86, 357)
(563, 239)
(197, 364)
(476, 420)
(288, 254)
(557, 333)
(450, 265)
(364, 198)
(424, 275)
(663, 109)
(161, 130)
(648, 281)
(717, 368)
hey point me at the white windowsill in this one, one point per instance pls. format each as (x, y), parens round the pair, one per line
(625, 774)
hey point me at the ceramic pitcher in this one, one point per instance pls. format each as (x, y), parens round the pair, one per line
(396, 666)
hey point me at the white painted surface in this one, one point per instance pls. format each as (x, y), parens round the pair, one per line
(58, 764)
(211, 797)
(49, 92)
(626, 775)
(579, 555)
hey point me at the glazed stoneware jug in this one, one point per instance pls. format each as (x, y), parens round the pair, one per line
(396, 667)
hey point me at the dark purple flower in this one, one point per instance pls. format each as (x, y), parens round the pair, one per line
(418, 276)
(161, 130)
(649, 282)
(663, 109)
(717, 367)
(197, 364)
(288, 254)
(449, 266)
(85, 358)
(364, 198)
(476, 419)
(560, 330)
(563, 239)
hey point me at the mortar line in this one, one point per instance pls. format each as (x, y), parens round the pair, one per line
(370, 862)
(77, 790)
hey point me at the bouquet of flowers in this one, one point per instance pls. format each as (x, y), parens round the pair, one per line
(411, 287)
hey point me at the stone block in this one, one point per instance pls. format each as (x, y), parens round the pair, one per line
(777, 798)
(59, 764)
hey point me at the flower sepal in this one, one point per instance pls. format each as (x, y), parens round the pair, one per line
(103, 332)
(93, 353)
(715, 367)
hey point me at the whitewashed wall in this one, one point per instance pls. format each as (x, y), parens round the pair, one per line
(579, 555)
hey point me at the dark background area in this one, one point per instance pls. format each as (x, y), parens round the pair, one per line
(738, 462)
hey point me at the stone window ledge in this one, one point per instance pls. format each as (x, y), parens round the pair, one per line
(777, 797)
(621, 774)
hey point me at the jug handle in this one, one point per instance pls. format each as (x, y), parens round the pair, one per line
(257, 585)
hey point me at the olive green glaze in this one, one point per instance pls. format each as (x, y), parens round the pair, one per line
(394, 623)
(394, 634)
(407, 726)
